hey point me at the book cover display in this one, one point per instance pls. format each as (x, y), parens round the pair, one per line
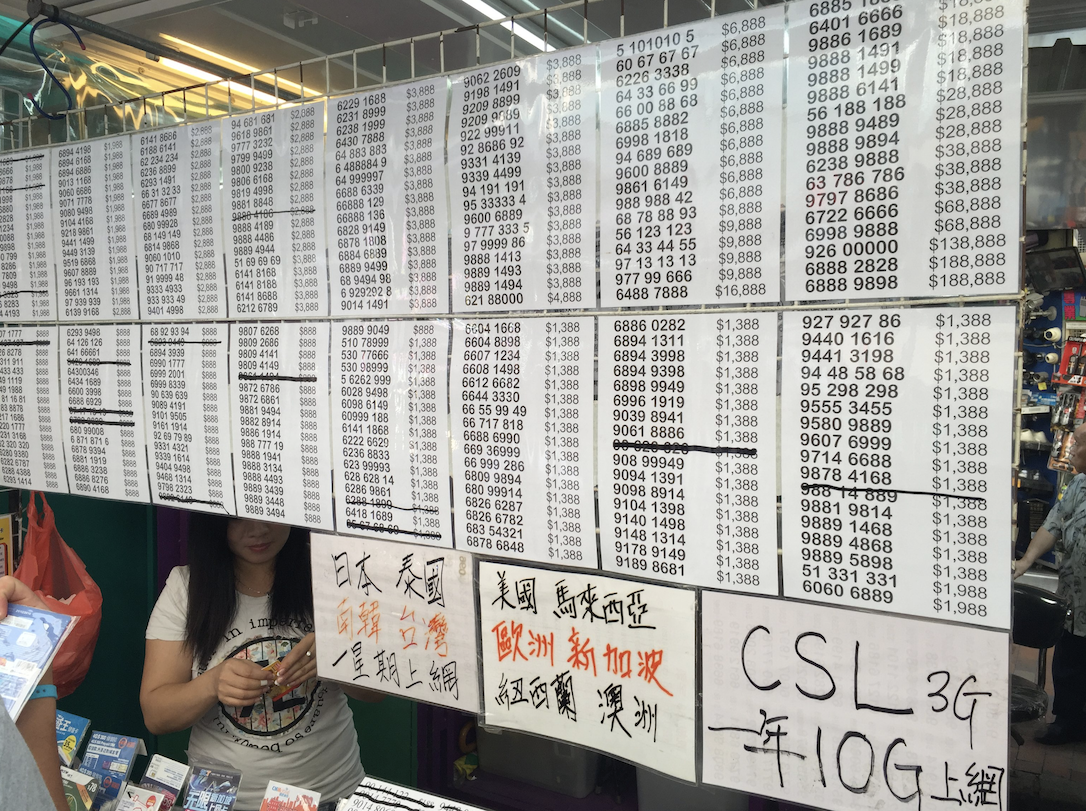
(212, 789)
(79, 789)
(167, 777)
(29, 639)
(281, 797)
(134, 798)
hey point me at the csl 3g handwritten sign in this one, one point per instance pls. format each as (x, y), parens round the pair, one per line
(596, 661)
(396, 618)
(841, 709)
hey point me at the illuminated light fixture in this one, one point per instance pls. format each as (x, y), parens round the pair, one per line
(492, 13)
(241, 66)
(204, 76)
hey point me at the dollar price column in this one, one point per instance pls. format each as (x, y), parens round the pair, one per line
(509, 250)
(273, 186)
(390, 442)
(976, 215)
(386, 170)
(878, 166)
(973, 379)
(188, 410)
(179, 222)
(30, 433)
(881, 500)
(102, 411)
(673, 232)
(521, 417)
(27, 280)
(279, 406)
(92, 225)
(687, 420)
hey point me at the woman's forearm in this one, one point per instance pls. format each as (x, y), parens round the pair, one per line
(173, 707)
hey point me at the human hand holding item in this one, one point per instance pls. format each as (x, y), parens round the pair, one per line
(300, 665)
(17, 592)
(239, 682)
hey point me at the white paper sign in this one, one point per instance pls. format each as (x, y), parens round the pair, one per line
(396, 618)
(186, 384)
(179, 222)
(279, 415)
(31, 455)
(690, 175)
(895, 497)
(904, 149)
(93, 230)
(28, 289)
(522, 438)
(842, 709)
(687, 449)
(388, 219)
(377, 795)
(522, 169)
(273, 205)
(102, 411)
(592, 660)
(390, 430)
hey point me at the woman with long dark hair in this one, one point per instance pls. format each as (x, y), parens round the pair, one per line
(222, 625)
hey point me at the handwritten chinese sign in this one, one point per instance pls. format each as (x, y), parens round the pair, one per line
(596, 661)
(396, 618)
(377, 795)
(841, 709)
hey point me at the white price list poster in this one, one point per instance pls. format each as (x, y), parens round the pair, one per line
(522, 176)
(521, 421)
(386, 201)
(185, 380)
(390, 430)
(179, 222)
(687, 449)
(895, 497)
(690, 173)
(273, 210)
(31, 455)
(904, 149)
(93, 229)
(28, 289)
(102, 411)
(279, 415)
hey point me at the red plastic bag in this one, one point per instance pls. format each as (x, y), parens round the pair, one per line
(55, 572)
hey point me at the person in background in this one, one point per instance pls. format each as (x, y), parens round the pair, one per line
(29, 763)
(1065, 529)
(245, 602)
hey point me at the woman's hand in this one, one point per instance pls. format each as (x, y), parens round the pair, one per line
(17, 592)
(240, 683)
(300, 665)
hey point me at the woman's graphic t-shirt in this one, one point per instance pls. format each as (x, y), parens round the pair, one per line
(305, 738)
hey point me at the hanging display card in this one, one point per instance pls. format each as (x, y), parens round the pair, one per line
(30, 437)
(93, 230)
(273, 203)
(385, 197)
(377, 795)
(521, 405)
(522, 181)
(896, 496)
(179, 222)
(687, 448)
(280, 411)
(904, 149)
(102, 411)
(28, 289)
(690, 173)
(390, 430)
(396, 618)
(186, 379)
(592, 660)
(843, 709)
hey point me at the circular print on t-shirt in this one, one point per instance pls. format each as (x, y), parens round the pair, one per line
(270, 716)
